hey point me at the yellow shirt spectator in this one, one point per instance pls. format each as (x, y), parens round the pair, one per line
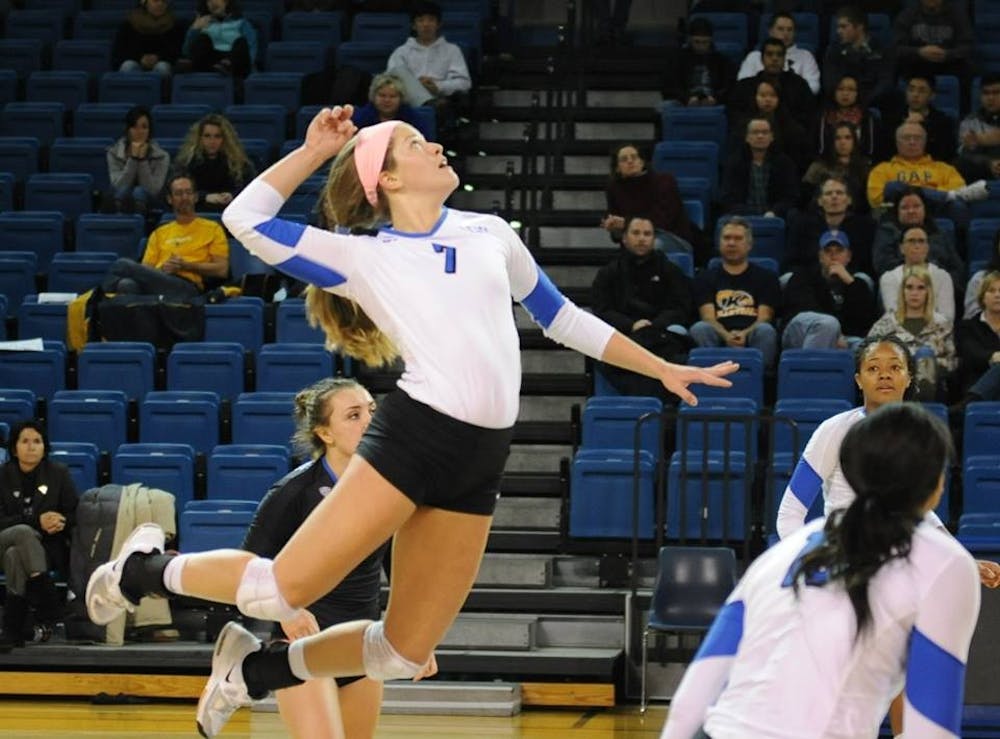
(197, 241)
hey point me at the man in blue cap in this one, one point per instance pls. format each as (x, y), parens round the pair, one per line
(826, 305)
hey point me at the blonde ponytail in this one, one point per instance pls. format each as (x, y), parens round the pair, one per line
(348, 328)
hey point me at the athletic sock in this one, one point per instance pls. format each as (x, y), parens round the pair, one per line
(142, 575)
(297, 660)
(268, 670)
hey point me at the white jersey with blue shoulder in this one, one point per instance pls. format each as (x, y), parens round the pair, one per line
(442, 297)
(779, 666)
(818, 473)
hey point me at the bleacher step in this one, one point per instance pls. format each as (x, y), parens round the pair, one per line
(582, 131)
(579, 237)
(553, 408)
(515, 571)
(545, 361)
(537, 457)
(527, 513)
(507, 631)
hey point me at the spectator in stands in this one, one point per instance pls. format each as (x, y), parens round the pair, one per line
(855, 54)
(148, 40)
(842, 158)
(915, 246)
(635, 189)
(758, 180)
(972, 306)
(330, 417)
(648, 298)
(737, 300)
(214, 157)
(179, 255)
(796, 95)
(797, 60)
(919, 108)
(979, 344)
(37, 512)
(940, 182)
(909, 210)
(221, 39)
(789, 136)
(832, 210)
(979, 135)
(432, 69)
(843, 107)
(137, 165)
(826, 306)
(926, 333)
(385, 103)
(697, 73)
(933, 37)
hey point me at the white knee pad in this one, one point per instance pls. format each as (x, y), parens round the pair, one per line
(381, 660)
(258, 595)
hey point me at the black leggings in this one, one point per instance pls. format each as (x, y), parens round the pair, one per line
(204, 56)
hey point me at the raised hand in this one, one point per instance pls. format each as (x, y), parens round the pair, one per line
(330, 130)
(677, 377)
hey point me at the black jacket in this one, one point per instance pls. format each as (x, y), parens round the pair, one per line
(782, 186)
(808, 290)
(796, 97)
(872, 67)
(59, 495)
(626, 290)
(804, 231)
(679, 80)
(976, 344)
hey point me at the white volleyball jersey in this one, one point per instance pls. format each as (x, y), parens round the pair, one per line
(779, 666)
(818, 472)
(442, 297)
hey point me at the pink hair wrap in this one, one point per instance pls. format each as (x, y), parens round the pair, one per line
(369, 155)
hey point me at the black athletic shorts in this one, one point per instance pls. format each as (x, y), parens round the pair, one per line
(433, 459)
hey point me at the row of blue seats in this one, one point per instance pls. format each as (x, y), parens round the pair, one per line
(218, 367)
(188, 7)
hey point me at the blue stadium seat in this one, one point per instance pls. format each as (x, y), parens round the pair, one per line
(42, 25)
(223, 528)
(368, 56)
(303, 117)
(610, 423)
(117, 365)
(695, 212)
(174, 120)
(242, 262)
(696, 189)
(981, 483)
(258, 122)
(44, 372)
(71, 194)
(101, 119)
(17, 276)
(426, 117)
(708, 496)
(41, 320)
(291, 325)
(807, 414)
(239, 320)
(8, 86)
(221, 504)
(305, 198)
(719, 423)
(296, 56)
(688, 159)
(82, 155)
(948, 95)
(601, 493)
(191, 416)
(96, 24)
(322, 27)
(82, 458)
(202, 88)
(22, 55)
(168, 467)
(384, 28)
(730, 28)
(43, 120)
(260, 152)
(982, 238)
(748, 381)
(6, 191)
(19, 156)
(16, 405)
(683, 260)
(216, 367)
(982, 429)
(816, 373)
(263, 418)
(92, 56)
(118, 234)
(94, 415)
(768, 236)
(137, 88)
(40, 232)
(695, 124)
(274, 88)
(245, 471)
(291, 367)
(66, 86)
(980, 534)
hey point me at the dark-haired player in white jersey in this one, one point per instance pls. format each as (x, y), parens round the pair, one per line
(823, 628)
(436, 289)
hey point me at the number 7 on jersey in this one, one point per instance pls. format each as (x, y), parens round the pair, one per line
(449, 257)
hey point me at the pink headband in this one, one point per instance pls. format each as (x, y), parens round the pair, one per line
(369, 155)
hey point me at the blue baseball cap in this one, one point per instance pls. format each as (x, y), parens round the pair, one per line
(834, 237)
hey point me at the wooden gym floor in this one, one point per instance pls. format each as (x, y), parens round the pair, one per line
(62, 719)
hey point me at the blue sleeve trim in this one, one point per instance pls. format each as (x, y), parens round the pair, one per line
(724, 637)
(286, 233)
(935, 683)
(309, 271)
(805, 483)
(544, 301)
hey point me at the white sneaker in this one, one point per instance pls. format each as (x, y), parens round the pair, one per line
(978, 190)
(225, 690)
(105, 601)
